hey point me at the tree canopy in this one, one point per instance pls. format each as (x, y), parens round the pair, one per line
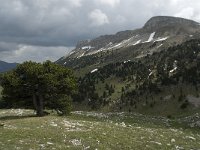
(39, 85)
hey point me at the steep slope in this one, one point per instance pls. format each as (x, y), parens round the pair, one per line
(152, 70)
(166, 83)
(4, 66)
(166, 21)
(157, 34)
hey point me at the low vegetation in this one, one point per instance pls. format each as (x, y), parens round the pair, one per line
(92, 130)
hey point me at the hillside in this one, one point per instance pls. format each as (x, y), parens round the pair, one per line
(154, 70)
(4, 66)
(166, 83)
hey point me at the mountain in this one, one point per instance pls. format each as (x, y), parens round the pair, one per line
(157, 33)
(153, 70)
(166, 21)
(4, 66)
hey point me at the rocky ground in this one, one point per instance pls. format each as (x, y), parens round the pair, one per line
(19, 129)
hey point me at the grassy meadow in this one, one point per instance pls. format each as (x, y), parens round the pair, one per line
(21, 130)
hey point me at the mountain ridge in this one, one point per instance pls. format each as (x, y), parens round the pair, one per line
(168, 20)
(4, 66)
(158, 33)
(151, 70)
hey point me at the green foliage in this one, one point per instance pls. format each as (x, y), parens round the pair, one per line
(142, 78)
(39, 85)
(63, 104)
(94, 101)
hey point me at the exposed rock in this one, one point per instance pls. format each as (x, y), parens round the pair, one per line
(164, 30)
(194, 100)
(164, 21)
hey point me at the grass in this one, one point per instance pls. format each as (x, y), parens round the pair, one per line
(162, 106)
(92, 130)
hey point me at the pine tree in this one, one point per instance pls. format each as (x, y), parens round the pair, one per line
(48, 85)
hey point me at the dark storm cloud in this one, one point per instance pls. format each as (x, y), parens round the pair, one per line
(39, 26)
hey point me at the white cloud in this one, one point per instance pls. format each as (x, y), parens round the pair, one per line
(120, 19)
(98, 18)
(76, 3)
(34, 53)
(186, 13)
(111, 3)
(175, 2)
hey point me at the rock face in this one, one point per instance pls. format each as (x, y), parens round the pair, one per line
(165, 31)
(104, 40)
(82, 43)
(166, 21)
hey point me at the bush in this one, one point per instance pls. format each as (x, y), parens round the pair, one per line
(64, 105)
(169, 116)
(184, 105)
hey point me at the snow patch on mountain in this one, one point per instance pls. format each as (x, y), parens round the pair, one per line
(94, 70)
(159, 45)
(150, 74)
(161, 39)
(81, 55)
(150, 37)
(117, 45)
(171, 71)
(138, 42)
(86, 47)
(126, 61)
(72, 52)
(174, 66)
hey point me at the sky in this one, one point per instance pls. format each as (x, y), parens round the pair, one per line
(40, 30)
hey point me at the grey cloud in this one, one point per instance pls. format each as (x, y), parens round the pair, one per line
(61, 23)
(7, 46)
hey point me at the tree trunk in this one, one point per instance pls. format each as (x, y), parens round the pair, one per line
(38, 104)
(35, 103)
(41, 105)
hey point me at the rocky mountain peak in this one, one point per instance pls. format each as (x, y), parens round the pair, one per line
(162, 21)
(158, 33)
